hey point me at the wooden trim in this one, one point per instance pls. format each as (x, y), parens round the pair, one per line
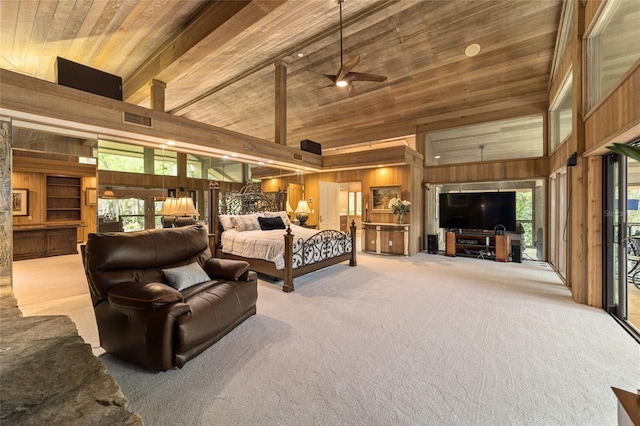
(40, 101)
(534, 168)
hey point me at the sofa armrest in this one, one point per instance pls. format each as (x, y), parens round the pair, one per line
(143, 296)
(228, 269)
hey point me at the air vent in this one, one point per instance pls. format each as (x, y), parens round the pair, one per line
(140, 120)
(297, 156)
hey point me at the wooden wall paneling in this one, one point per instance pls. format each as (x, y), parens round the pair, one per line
(559, 157)
(564, 68)
(27, 162)
(417, 235)
(89, 212)
(594, 212)
(578, 250)
(592, 10)
(533, 168)
(35, 183)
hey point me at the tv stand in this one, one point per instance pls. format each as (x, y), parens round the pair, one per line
(482, 245)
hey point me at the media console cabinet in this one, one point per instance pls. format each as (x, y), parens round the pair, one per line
(31, 242)
(385, 238)
(482, 245)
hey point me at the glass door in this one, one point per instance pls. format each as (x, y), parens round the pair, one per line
(632, 286)
(622, 240)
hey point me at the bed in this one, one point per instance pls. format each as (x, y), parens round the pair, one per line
(280, 253)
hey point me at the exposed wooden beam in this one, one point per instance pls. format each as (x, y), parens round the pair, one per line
(218, 22)
(281, 103)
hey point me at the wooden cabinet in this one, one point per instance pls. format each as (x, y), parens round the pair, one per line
(385, 238)
(64, 198)
(480, 245)
(34, 242)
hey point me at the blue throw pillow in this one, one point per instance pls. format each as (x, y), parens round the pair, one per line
(183, 277)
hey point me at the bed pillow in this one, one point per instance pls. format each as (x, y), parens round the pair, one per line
(282, 215)
(245, 222)
(183, 277)
(225, 221)
(271, 223)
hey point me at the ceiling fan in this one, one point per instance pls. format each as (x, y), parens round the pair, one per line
(345, 77)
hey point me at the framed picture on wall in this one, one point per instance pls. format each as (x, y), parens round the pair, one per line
(380, 197)
(20, 202)
(91, 197)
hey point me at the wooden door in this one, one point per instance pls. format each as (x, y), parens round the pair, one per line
(329, 206)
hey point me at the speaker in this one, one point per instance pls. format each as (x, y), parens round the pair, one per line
(87, 79)
(516, 252)
(432, 243)
(311, 146)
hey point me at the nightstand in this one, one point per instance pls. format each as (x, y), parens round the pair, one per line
(307, 225)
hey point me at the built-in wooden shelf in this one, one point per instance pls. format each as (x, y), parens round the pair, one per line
(64, 198)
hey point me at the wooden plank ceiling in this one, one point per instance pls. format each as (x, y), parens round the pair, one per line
(217, 59)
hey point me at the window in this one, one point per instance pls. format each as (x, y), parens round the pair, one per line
(564, 34)
(613, 47)
(194, 166)
(129, 210)
(561, 114)
(120, 157)
(165, 163)
(355, 203)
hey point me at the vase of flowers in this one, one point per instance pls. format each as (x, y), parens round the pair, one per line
(399, 207)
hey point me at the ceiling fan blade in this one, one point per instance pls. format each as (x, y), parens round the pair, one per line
(352, 62)
(360, 76)
(333, 78)
(351, 90)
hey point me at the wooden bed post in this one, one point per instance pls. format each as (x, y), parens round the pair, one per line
(214, 221)
(352, 229)
(287, 285)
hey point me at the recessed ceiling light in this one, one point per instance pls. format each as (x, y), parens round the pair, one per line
(341, 83)
(163, 146)
(172, 143)
(234, 155)
(225, 157)
(437, 156)
(472, 50)
(260, 163)
(270, 161)
(300, 54)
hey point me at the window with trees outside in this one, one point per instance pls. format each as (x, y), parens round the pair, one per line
(612, 47)
(561, 114)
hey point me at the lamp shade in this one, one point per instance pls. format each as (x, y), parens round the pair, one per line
(289, 209)
(303, 207)
(182, 206)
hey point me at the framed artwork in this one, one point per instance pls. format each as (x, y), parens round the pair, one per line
(20, 202)
(381, 195)
(91, 197)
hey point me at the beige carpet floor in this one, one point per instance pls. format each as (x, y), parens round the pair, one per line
(425, 340)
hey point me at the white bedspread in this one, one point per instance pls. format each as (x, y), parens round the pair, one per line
(266, 245)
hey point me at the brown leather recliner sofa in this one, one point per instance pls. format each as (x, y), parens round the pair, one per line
(141, 317)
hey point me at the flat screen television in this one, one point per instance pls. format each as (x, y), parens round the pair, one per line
(478, 210)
